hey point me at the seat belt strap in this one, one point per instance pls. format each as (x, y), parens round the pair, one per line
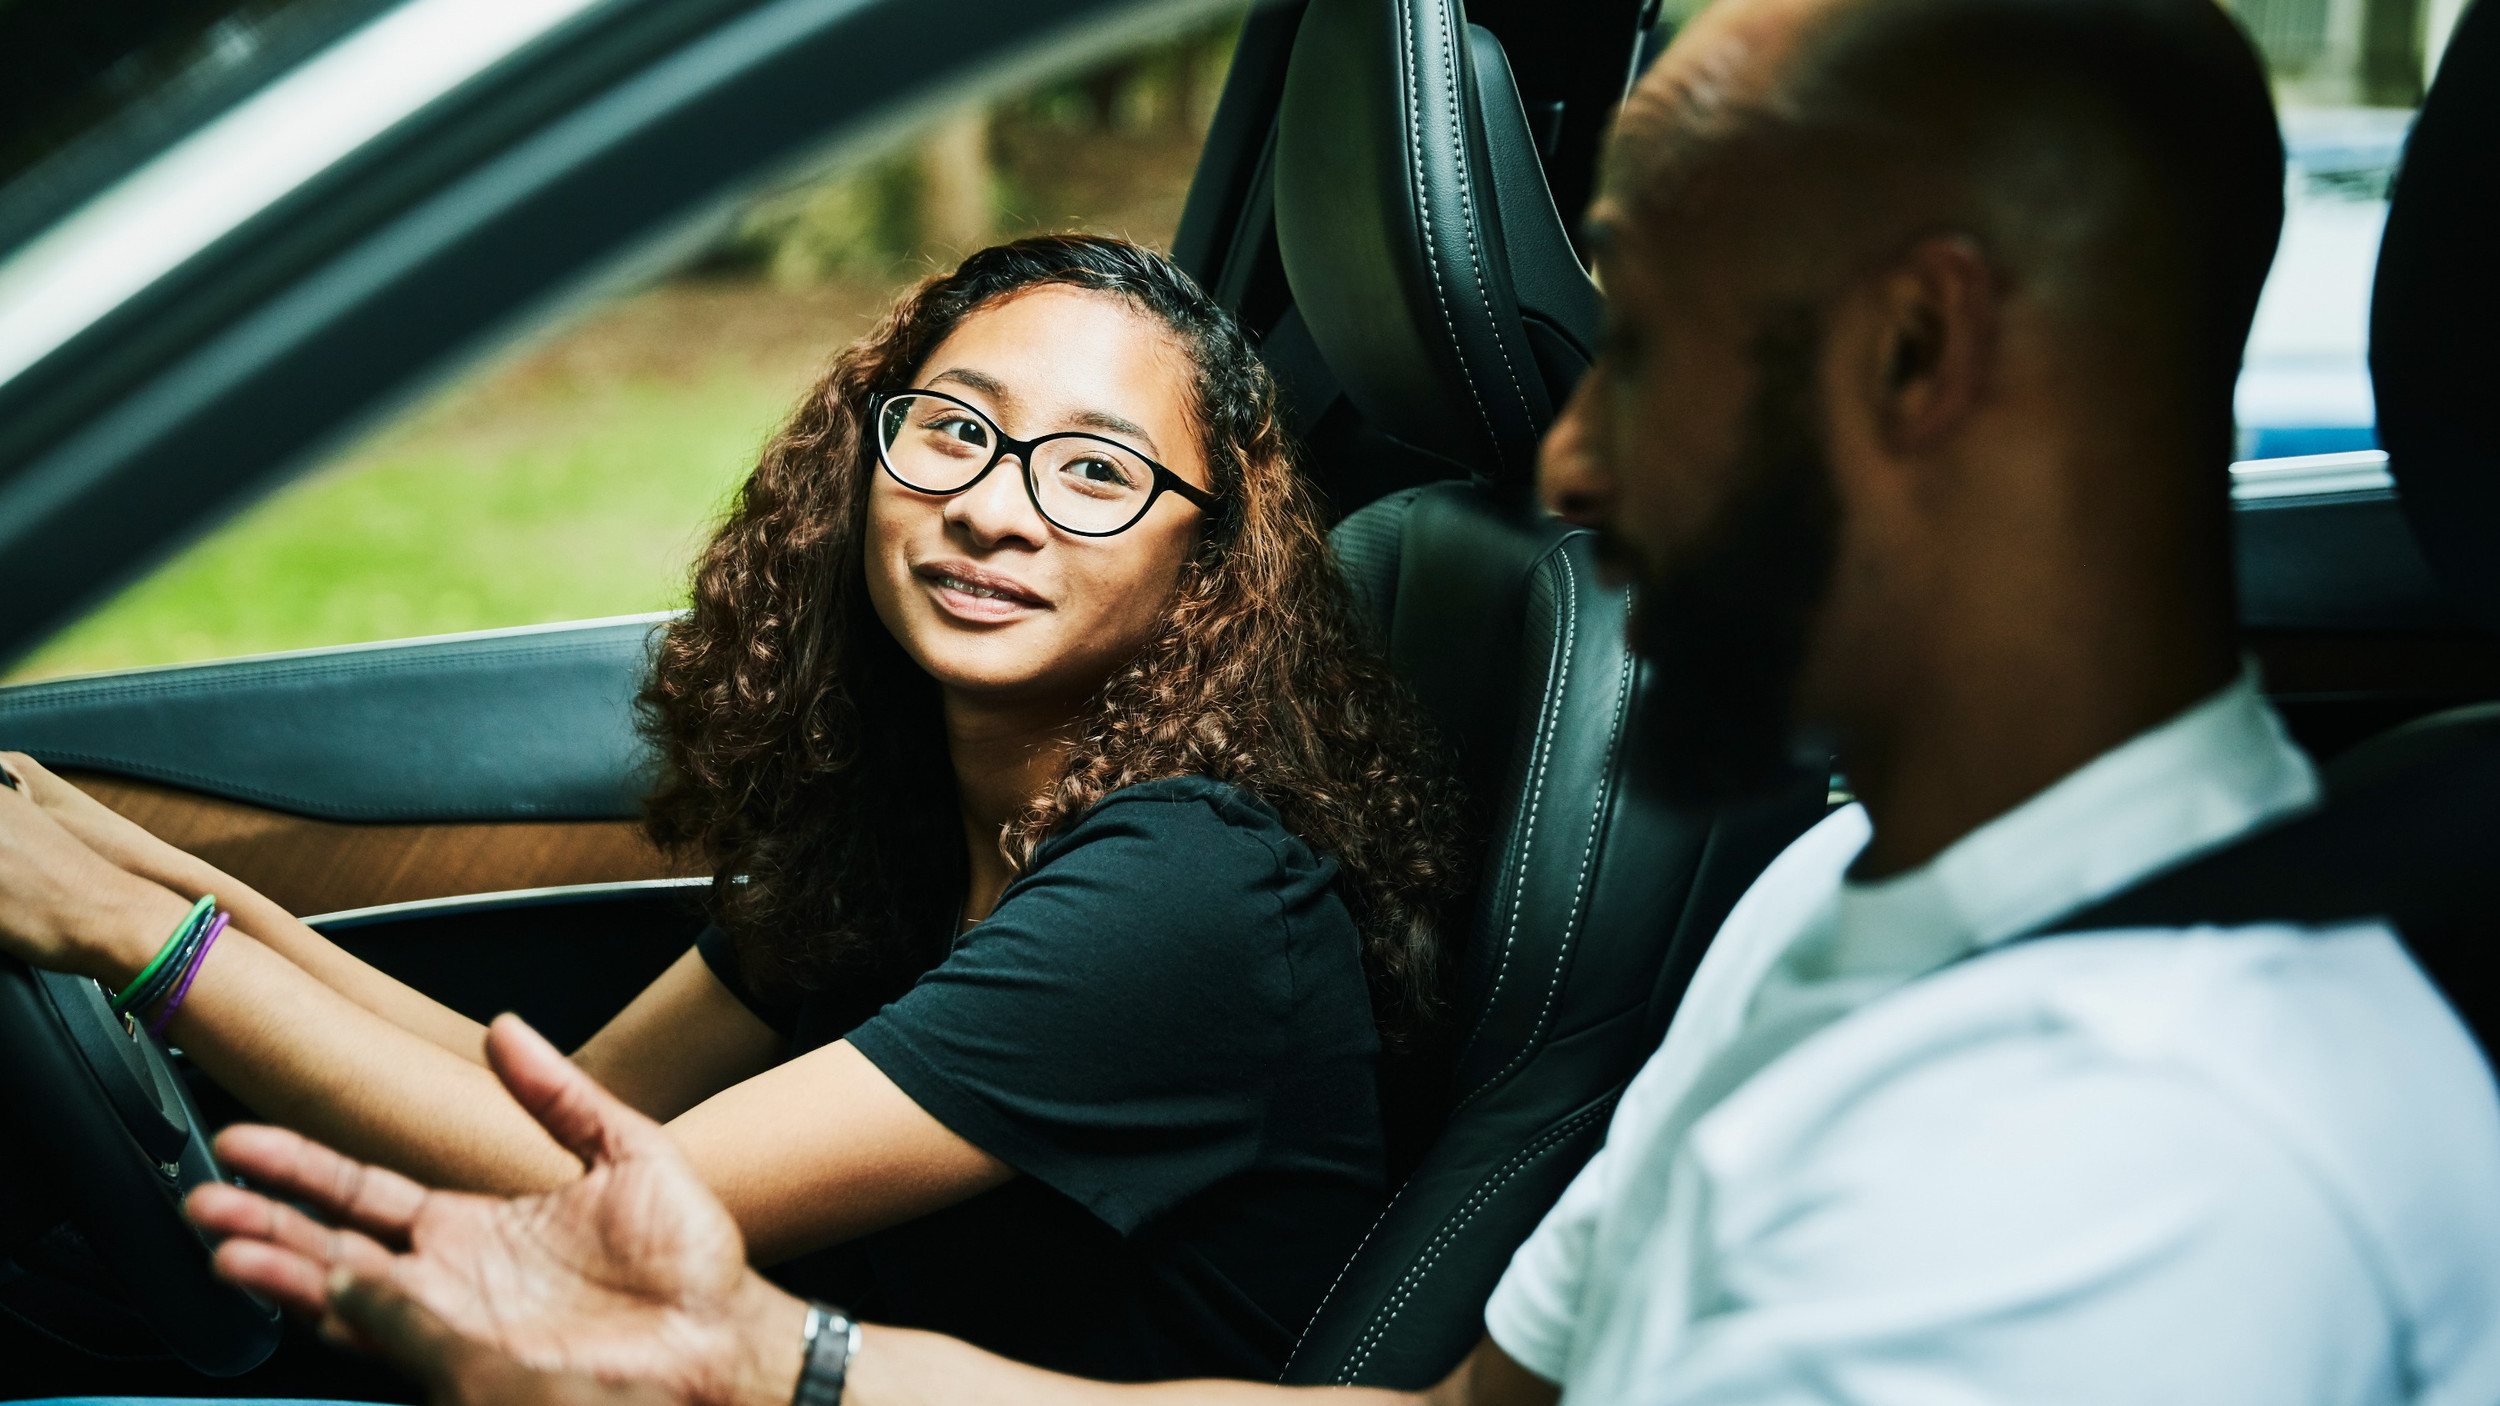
(2419, 850)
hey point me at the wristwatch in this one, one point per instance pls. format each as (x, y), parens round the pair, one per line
(828, 1339)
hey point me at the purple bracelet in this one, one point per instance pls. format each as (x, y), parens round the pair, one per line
(165, 1012)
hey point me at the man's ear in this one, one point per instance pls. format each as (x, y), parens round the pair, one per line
(1932, 324)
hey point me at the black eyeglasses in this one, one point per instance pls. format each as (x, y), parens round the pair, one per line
(1080, 483)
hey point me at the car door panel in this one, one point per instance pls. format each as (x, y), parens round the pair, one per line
(528, 724)
(321, 866)
(373, 774)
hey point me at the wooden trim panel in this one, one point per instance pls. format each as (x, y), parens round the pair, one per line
(322, 866)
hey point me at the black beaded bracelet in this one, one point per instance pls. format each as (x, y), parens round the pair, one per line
(830, 1337)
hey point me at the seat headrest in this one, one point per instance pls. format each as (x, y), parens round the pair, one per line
(1418, 237)
(2433, 354)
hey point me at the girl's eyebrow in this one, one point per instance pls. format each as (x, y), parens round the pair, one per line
(1005, 399)
(987, 385)
(1105, 420)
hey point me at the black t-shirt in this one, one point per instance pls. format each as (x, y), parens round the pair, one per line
(1165, 1028)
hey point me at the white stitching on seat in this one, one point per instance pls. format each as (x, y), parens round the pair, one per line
(1466, 207)
(1549, 720)
(1588, 860)
(1342, 1271)
(1450, 1230)
(1423, 207)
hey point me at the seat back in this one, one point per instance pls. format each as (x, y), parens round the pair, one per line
(2432, 358)
(2417, 800)
(1423, 250)
(1433, 275)
(1593, 904)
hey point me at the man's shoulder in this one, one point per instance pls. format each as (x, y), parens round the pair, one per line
(2311, 1026)
(2320, 1053)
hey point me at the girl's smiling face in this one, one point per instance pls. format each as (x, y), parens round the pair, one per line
(980, 589)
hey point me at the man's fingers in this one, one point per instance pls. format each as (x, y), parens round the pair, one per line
(374, 1199)
(590, 1122)
(243, 1215)
(292, 1281)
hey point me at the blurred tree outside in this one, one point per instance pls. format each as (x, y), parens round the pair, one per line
(576, 476)
(2349, 53)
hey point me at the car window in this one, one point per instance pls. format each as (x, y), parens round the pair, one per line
(2348, 75)
(574, 477)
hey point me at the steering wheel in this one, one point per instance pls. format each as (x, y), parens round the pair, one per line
(104, 1125)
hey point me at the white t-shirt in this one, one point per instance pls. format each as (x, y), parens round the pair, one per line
(2200, 1166)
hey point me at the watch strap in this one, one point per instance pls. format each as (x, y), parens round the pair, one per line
(829, 1337)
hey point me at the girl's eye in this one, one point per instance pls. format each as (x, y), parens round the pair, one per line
(965, 428)
(1098, 471)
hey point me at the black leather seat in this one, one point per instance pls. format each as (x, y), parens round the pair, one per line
(2433, 362)
(1430, 271)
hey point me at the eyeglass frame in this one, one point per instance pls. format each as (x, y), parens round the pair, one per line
(1204, 500)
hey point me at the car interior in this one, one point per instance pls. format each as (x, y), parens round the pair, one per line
(1385, 201)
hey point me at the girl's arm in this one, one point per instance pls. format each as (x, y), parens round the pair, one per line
(824, 1148)
(140, 853)
(684, 1039)
(819, 1149)
(680, 1041)
(289, 1046)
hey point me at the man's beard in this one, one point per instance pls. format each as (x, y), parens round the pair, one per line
(1725, 625)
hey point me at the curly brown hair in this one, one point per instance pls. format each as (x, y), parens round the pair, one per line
(799, 742)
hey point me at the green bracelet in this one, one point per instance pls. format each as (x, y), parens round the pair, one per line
(185, 945)
(132, 997)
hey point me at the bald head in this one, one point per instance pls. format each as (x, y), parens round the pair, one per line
(2116, 160)
(1915, 398)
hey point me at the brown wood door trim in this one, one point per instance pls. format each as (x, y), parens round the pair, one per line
(323, 866)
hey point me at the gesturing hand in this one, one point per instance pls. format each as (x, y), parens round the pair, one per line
(633, 1274)
(459, 1371)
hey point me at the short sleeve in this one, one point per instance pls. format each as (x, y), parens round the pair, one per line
(1537, 1300)
(1115, 1028)
(720, 953)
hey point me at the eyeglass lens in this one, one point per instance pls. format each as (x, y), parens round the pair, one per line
(1084, 484)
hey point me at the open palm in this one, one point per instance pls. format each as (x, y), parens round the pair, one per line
(632, 1273)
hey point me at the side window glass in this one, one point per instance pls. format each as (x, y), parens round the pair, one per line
(575, 476)
(2348, 76)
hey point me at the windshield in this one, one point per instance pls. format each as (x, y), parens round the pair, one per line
(89, 89)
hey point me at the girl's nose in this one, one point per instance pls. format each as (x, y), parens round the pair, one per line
(998, 509)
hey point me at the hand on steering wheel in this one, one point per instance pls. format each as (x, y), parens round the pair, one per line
(98, 826)
(63, 906)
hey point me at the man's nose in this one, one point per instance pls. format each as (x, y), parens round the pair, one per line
(997, 508)
(1571, 473)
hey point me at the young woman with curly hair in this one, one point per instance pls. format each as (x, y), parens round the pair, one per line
(1074, 861)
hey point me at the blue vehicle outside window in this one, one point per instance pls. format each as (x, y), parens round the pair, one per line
(2305, 386)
